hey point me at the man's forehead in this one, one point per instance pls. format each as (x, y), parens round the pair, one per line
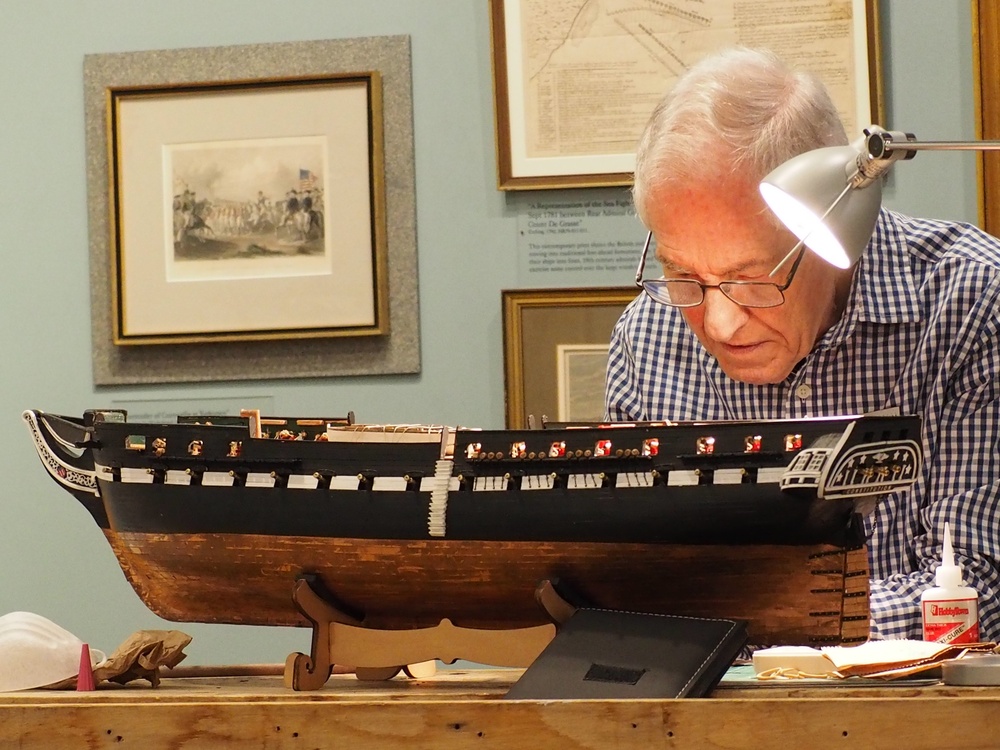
(696, 228)
(722, 256)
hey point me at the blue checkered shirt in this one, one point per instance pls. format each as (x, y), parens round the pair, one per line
(920, 332)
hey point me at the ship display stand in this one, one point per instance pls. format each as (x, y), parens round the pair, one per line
(340, 638)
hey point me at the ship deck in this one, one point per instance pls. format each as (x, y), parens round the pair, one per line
(461, 708)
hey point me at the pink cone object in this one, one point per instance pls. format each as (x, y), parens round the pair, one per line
(85, 679)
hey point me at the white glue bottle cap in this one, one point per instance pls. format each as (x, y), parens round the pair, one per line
(949, 575)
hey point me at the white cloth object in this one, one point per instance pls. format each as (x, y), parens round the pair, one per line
(35, 652)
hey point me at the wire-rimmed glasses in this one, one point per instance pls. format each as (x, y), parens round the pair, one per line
(691, 293)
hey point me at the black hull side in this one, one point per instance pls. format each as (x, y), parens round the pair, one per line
(720, 514)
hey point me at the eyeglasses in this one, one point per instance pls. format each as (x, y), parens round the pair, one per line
(691, 293)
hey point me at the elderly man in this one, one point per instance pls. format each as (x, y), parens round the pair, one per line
(913, 325)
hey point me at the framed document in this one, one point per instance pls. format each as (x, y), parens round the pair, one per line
(576, 81)
(555, 350)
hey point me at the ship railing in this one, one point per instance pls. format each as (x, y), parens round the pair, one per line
(392, 433)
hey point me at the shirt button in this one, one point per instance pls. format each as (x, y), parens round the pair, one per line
(803, 391)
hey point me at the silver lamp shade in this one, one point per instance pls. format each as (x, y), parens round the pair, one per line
(814, 196)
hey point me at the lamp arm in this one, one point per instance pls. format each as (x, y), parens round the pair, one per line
(882, 148)
(947, 146)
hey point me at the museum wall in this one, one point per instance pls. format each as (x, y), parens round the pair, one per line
(54, 559)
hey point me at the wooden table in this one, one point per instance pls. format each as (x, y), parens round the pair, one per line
(463, 709)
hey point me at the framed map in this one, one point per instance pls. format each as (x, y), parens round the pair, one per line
(576, 80)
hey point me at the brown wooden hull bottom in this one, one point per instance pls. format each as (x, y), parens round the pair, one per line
(789, 594)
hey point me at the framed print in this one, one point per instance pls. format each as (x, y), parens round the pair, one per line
(986, 37)
(252, 212)
(580, 372)
(555, 349)
(575, 82)
(248, 210)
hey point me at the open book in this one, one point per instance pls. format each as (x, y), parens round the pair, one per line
(888, 659)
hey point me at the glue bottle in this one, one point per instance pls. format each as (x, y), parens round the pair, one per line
(950, 610)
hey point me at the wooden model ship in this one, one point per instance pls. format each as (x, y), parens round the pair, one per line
(308, 522)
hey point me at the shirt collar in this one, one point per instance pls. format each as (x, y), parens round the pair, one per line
(884, 289)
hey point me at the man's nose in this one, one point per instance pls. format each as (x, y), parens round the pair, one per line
(723, 317)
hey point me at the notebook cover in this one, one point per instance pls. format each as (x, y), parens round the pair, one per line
(600, 653)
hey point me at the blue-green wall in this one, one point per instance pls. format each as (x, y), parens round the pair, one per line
(53, 559)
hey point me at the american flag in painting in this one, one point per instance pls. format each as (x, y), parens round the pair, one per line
(307, 180)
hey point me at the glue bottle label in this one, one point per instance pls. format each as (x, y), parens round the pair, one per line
(951, 620)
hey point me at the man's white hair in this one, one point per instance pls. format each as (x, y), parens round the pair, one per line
(737, 113)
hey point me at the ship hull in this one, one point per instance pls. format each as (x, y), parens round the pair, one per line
(800, 594)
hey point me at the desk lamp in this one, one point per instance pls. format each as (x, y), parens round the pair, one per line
(830, 197)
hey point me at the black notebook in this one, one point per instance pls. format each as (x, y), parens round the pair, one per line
(601, 653)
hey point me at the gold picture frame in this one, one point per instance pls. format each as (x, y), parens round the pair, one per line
(247, 210)
(573, 86)
(544, 332)
(986, 47)
(279, 346)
